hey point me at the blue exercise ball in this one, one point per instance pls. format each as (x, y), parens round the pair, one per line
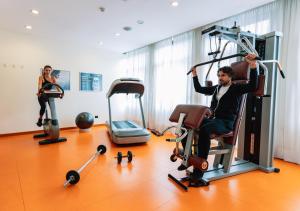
(84, 120)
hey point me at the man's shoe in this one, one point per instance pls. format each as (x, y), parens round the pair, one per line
(196, 179)
(198, 183)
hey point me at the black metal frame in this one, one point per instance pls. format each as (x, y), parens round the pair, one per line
(220, 59)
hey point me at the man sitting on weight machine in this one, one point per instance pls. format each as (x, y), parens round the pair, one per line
(224, 105)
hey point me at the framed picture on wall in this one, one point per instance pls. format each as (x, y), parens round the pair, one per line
(62, 78)
(90, 82)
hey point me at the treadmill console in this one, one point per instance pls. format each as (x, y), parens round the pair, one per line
(130, 79)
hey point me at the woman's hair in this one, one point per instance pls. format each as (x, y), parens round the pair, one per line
(47, 66)
(226, 69)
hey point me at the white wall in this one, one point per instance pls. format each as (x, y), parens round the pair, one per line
(22, 56)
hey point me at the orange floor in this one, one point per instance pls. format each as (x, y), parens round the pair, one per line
(32, 178)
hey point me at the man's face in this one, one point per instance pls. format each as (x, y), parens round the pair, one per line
(224, 79)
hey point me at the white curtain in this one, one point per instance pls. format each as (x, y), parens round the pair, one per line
(287, 128)
(171, 60)
(162, 67)
(136, 65)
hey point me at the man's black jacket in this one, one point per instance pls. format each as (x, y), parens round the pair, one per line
(228, 105)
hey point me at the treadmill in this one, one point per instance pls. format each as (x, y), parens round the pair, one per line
(127, 132)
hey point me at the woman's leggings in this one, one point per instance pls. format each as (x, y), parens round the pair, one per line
(42, 103)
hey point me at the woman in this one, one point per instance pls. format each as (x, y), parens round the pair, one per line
(44, 79)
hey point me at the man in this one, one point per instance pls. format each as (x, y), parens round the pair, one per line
(225, 104)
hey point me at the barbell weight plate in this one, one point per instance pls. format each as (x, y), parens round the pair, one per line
(101, 148)
(73, 177)
(129, 156)
(119, 157)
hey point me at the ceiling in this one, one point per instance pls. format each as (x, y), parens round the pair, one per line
(82, 22)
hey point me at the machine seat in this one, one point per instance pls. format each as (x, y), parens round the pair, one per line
(194, 115)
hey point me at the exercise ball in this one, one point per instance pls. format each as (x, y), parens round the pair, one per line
(84, 120)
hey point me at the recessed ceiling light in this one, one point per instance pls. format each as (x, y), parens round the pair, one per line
(101, 43)
(102, 9)
(175, 3)
(139, 21)
(127, 28)
(28, 27)
(35, 12)
(117, 34)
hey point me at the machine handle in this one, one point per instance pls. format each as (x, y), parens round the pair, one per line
(220, 59)
(282, 74)
(60, 89)
(278, 65)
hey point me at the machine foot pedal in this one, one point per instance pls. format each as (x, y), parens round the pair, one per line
(40, 135)
(52, 141)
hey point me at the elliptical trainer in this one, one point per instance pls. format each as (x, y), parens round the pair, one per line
(51, 126)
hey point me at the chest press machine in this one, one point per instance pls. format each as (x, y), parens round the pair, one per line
(254, 132)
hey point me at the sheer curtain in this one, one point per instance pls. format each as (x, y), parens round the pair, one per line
(171, 60)
(136, 65)
(287, 131)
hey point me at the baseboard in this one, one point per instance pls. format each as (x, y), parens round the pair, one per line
(40, 131)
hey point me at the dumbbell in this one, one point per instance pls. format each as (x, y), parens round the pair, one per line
(120, 156)
(73, 176)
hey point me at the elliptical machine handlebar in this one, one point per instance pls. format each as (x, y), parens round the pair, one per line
(59, 92)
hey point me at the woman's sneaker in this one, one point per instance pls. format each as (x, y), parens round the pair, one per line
(39, 123)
